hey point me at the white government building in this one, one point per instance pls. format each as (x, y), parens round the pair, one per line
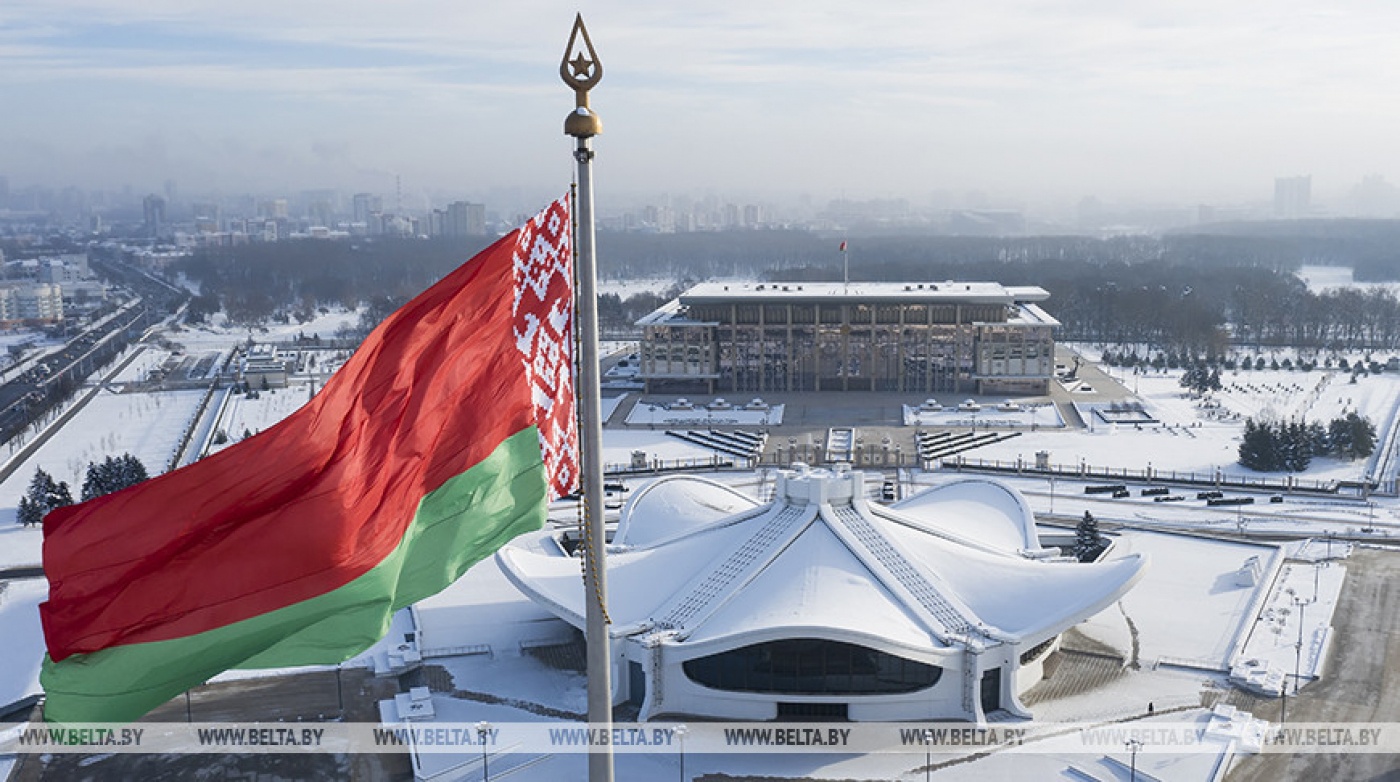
(820, 604)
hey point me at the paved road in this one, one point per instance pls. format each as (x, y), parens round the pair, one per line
(1361, 682)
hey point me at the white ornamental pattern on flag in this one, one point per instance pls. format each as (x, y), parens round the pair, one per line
(544, 317)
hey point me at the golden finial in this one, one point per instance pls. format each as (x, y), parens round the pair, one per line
(583, 73)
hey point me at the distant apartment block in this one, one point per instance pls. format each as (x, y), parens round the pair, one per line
(463, 218)
(1292, 196)
(364, 205)
(153, 213)
(954, 337)
(30, 302)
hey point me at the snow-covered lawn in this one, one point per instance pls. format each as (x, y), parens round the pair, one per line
(148, 426)
(1181, 572)
(618, 446)
(1200, 437)
(139, 368)
(256, 415)
(23, 649)
(218, 333)
(1325, 278)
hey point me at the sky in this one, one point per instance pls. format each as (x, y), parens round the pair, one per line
(1182, 102)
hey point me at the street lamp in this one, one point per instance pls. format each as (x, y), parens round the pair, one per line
(928, 753)
(1298, 648)
(483, 729)
(679, 732)
(1133, 745)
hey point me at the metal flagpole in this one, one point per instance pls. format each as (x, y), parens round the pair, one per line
(582, 73)
(845, 267)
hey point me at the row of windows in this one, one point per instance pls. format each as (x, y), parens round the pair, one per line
(810, 666)
(832, 314)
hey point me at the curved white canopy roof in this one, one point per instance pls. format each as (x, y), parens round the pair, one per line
(709, 567)
(980, 511)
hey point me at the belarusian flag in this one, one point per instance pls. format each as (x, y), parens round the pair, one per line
(437, 442)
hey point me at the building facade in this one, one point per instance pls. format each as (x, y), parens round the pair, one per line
(823, 605)
(30, 302)
(952, 337)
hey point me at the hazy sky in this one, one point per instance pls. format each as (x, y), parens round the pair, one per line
(1183, 100)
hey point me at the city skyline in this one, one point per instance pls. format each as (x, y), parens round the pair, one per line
(1193, 104)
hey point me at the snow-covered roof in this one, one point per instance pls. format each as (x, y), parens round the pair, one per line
(865, 292)
(978, 511)
(955, 565)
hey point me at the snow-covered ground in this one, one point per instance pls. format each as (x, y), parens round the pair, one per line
(24, 639)
(1275, 637)
(146, 425)
(618, 446)
(219, 334)
(141, 366)
(1181, 571)
(1325, 278)
(1201, 436)
(251, 416)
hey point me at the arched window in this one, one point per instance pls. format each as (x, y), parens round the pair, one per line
(811, 666)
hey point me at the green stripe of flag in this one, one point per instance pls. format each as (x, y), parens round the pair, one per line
(457, 525)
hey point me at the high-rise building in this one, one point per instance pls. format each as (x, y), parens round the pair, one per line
(1292, 196)
(153, 210)
(206, 216)
(4, 192)
(275, 209)
(366, 204)
(464, 219)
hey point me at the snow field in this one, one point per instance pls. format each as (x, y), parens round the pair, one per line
(148, 426)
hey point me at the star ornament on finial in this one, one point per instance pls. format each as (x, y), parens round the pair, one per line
(581, 65)
(582, 73)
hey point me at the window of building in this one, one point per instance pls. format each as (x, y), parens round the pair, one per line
(811, 666)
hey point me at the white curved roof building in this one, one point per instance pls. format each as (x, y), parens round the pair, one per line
(820, 604)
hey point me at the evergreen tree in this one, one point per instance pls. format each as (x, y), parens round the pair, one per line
(44, 494)
(130, 471)
(1297, 448)
(96, 482)
(1360, 436)
(28, 513)
(1257, 451)
(113, 474)
(1087, 540)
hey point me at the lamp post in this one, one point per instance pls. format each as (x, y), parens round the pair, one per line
(928, 753)
(1133, 745)
(483, 730)
(1298, 648)
(679, 732)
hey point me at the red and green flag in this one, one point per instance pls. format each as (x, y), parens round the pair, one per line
(442, 438)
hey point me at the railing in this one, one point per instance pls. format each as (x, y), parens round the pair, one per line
(1089, 472)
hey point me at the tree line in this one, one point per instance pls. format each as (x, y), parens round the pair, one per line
(1193, 292)
(45, 494)
(1271, 446)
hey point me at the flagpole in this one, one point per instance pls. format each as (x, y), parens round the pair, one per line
(582, 73)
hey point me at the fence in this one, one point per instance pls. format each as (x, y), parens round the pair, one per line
(1215, 478)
